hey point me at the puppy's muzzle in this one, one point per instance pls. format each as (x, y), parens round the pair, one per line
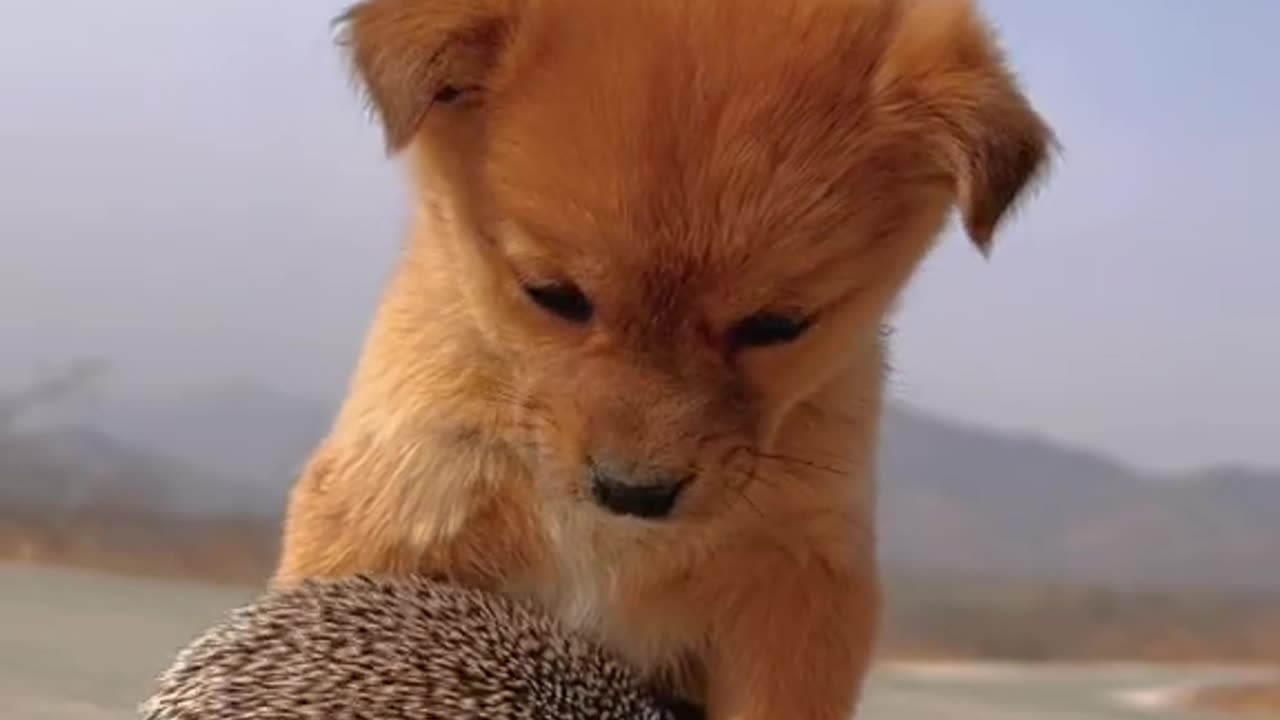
(645, 494)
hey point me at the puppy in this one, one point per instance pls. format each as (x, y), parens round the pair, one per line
(631, 362)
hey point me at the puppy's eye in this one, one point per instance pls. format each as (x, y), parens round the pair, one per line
(562, 299)
(767, 329)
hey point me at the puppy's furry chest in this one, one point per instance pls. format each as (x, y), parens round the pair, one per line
(603, 595)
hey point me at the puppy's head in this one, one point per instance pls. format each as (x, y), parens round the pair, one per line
(676, 221)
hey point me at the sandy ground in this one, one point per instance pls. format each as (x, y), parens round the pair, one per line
(79, 646)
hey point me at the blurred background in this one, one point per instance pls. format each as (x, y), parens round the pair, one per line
(1081, 473)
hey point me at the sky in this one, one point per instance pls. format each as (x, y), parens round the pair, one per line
(192, 191)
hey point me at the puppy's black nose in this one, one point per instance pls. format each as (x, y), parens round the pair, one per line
(649, 495)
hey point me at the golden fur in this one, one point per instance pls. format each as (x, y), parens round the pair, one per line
(687, 164)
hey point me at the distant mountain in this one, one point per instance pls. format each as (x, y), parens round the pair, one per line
(79, 471)
(957, 498)
(236, 429)
(954, 498)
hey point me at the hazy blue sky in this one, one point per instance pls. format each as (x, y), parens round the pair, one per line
(190, 189)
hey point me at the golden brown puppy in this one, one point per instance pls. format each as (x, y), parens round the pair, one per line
(631, 363)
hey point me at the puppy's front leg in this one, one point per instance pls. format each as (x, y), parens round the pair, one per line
(794, 647)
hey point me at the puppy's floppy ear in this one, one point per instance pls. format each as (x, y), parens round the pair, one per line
(977, 123)
(411, 55)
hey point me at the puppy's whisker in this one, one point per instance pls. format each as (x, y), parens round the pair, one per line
(854, 420)
(739, 488)
(802, 462)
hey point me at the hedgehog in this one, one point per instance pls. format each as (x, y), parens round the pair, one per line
(366, 648)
